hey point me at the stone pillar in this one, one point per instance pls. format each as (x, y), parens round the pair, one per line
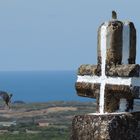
(114, 82)
(123, 126)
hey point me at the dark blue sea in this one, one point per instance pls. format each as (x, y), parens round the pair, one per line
(40, 86)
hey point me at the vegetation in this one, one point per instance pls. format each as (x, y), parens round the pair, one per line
(57, 115)
(46, 134)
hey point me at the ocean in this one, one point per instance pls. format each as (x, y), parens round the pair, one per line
(40, 86)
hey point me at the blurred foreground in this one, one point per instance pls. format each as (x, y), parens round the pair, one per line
(40, 121)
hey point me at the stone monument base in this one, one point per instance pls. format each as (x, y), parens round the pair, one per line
(112, 126)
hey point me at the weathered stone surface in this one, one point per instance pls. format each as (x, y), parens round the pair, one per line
(123, 126)
(99, 46)
(115, 42)
(115, 86)
(123, 91)
(130, 70)
(87, 89)
(89, 70)
(113, 94)
(132, 44)
(127, 70)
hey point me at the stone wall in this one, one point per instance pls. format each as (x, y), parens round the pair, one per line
(121, 126)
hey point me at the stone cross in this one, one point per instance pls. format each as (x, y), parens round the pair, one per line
(115, 80)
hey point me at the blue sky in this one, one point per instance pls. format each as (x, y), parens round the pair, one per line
(56, 34)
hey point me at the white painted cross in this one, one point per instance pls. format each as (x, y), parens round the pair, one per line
(103, 79)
